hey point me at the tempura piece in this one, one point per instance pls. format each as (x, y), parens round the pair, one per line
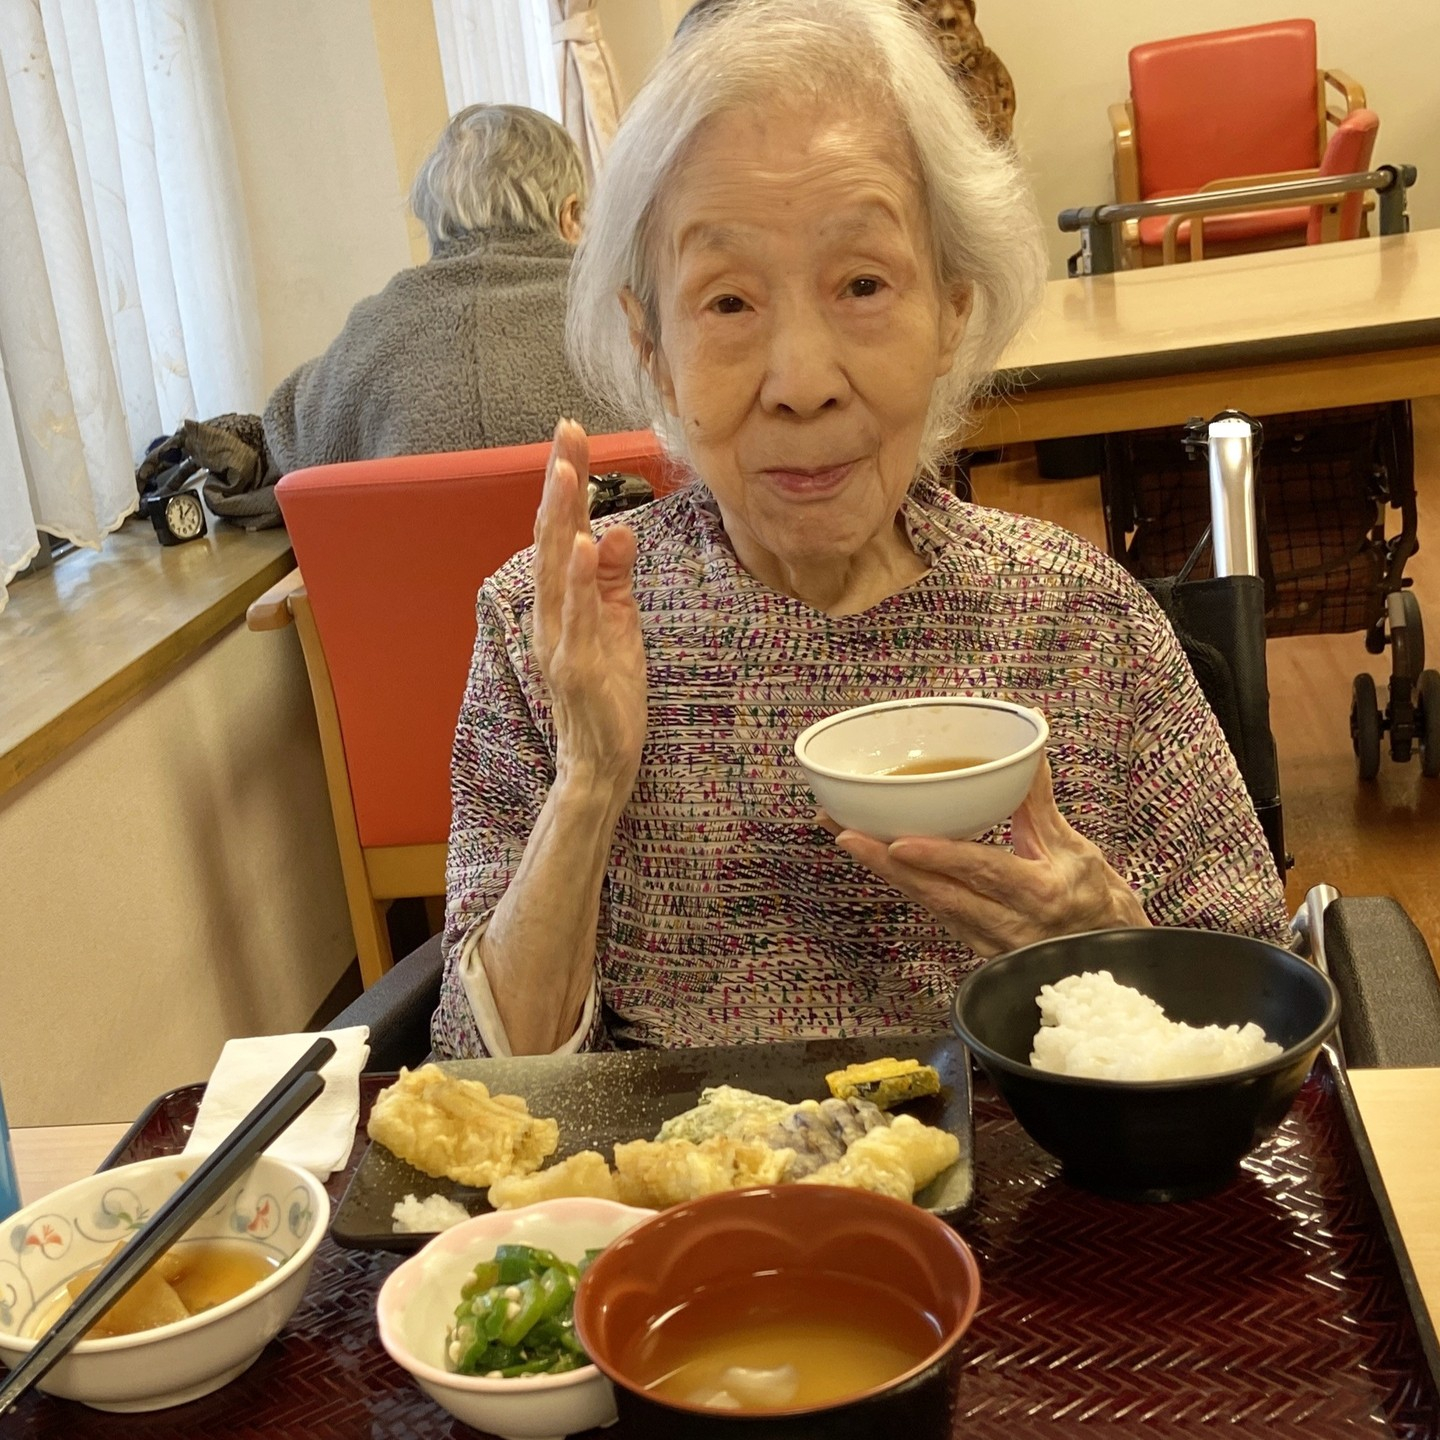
(896, 1160)
(756, 1163)
(820, 1131)
(657, 1173)
(585, 1173)
(724, 1110)
(885, 1083)
(457, 1129)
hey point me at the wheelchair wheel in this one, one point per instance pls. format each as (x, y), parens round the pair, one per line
(1365, 726)
(1427, 723)
(1407, 641)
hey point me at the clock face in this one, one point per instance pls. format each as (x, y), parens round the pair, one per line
(183, 516)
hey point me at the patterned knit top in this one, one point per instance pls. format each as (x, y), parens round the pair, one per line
(727, 914)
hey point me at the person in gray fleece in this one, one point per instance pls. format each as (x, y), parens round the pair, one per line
(467, 350)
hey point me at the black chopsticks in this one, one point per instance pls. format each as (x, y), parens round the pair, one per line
(212, 1177)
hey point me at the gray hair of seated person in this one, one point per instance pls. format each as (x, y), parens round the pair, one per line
(497, 165)
(870, 57)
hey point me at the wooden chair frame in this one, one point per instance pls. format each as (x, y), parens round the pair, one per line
(1329, 218)
(376, 875)
(1126, 165)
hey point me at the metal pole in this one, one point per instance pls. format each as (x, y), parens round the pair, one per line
(1309, 923)
(1287, 192)
(1393, 219)
(1232, 498)
(1104, 252)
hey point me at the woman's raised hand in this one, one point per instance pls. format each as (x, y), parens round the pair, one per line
(1055, 883)
(587, 626)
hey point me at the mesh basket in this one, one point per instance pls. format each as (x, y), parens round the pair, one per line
(1325, 478)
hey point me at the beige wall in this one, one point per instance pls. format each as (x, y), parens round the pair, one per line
(170, 881)
(1068, 64)
(318, 165)
(637, 31)
(409, 57)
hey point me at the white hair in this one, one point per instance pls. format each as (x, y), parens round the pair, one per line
(497, 165)
(871, 56)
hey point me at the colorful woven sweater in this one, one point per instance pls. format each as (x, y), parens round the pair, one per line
(727, 914)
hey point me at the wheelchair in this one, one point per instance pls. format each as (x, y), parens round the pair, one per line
(1332, 481)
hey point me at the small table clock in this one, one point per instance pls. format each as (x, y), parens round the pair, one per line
(176, 518)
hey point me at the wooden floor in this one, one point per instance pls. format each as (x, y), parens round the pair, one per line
(1380, 838)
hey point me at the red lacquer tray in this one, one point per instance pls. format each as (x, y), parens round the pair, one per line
(1280, 1308)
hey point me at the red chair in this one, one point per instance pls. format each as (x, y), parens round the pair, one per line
(1350, 152)
(1222, 109)
(1336, 217)
(392, 553)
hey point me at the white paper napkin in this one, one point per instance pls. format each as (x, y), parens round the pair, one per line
(320, 1139)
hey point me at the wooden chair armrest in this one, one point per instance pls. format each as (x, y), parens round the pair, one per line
(271, 611)
(1350, 88)
(1244, 182)
(1224, 207)
(1131, 249)
(1127, 160)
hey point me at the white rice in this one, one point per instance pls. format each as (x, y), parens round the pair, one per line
(1094, 1027)
(428, 1216)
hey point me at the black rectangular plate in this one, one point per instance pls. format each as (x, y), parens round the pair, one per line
(605, 1098)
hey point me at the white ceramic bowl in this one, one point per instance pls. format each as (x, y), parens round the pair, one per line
(842, 755)
(276, 1207)
(418, 1301)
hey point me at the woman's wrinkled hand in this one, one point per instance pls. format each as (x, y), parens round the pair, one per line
(1055, 883)
(587, 626)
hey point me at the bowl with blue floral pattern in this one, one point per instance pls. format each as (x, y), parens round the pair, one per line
(204, 1312)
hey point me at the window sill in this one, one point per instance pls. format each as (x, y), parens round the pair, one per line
(98, 627)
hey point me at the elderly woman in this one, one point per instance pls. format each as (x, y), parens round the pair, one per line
(803, 260)
(465, 351)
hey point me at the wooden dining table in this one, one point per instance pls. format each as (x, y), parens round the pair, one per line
(1350, 323)
(1400, 1108)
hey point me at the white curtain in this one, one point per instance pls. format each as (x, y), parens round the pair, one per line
(497, 52)
(127, 296)
(589, 90)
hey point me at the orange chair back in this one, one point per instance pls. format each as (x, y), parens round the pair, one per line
(1351, 148)
(393, 553)
(1234, 102)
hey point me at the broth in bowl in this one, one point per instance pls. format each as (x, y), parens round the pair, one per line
(768, 1343)
(941, 766)
(187, 1279)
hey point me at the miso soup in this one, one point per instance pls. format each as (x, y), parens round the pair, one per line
(191, 1276)
(937, 766)
(778, 1342)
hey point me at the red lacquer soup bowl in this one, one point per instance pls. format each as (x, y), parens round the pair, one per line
(793, 1311)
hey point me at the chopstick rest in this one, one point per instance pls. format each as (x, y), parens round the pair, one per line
(296, 1089)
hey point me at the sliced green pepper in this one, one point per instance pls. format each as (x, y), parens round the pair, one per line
(522, 1313)
(522, 1322)
(487, 1273)
(523, 1262)
(557, 1291)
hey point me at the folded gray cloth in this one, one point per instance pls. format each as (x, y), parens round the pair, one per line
(239, 483)
(229, 457)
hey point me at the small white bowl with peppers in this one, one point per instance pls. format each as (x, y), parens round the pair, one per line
(434, 1312)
